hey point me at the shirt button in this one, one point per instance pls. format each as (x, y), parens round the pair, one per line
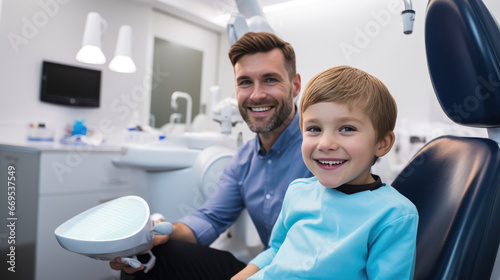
(268, 196)
(269, 161)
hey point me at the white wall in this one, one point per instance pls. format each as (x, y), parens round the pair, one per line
(33, 31)
(319, 31)
(366, 34)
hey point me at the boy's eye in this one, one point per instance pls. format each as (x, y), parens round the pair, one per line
(347, 129)
(313, 129)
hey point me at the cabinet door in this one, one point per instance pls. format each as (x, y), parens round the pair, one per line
(52, 260)
(71, 183)
(72, 171)
(19, 180)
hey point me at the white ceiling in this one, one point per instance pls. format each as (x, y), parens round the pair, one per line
(212, 13)
(231, 4)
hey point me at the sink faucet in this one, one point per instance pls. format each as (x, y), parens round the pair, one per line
(180, 94)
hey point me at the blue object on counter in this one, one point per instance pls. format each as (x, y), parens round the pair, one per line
(79, 128)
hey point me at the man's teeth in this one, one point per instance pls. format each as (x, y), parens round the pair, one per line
(262, 109)
(331, 162)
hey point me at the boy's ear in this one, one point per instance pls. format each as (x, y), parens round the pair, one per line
(385, 144)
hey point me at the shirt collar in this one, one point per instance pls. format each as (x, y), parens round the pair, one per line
(290, 134)
(352, 189)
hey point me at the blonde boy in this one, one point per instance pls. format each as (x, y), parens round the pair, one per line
(343, 223)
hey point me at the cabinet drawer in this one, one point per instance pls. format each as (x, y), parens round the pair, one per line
(62, 172)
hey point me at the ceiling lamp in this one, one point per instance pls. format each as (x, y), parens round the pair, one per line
(91, 46)
(122, 62)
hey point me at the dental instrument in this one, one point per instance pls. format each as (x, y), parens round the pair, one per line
(408, 17)
(225, 111)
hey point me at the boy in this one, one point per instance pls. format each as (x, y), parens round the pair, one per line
(343, 223)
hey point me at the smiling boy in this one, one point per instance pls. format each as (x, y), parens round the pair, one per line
(343, 223)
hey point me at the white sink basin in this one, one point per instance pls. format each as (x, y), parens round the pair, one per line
(200, 140)
(157, 158)
(174, 153)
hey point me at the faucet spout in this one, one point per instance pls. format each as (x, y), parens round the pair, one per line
(189, 109)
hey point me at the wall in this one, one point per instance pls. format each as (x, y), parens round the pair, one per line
(33, 31)
(324, 34)
(367, 35)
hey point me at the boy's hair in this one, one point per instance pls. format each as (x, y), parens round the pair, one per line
(252, 43)
(355, 88)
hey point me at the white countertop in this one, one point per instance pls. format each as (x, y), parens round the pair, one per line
(56, 146)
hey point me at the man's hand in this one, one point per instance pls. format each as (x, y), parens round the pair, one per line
(117, 264)
(181, 232)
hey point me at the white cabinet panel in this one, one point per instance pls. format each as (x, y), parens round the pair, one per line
(62, 172)
(53, 186)
(55, 262)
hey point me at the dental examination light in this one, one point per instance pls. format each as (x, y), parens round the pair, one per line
(91, 45)
(118, 228)
(408, 17)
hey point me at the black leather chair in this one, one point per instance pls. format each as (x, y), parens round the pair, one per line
(455, 181)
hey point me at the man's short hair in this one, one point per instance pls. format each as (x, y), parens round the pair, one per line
(252, 43)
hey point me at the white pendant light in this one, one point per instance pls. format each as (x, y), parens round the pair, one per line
(122, 62)
(91, 46)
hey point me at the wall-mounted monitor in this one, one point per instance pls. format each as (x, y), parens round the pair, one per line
(70, 85)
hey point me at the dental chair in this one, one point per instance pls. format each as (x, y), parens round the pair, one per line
(455, 181)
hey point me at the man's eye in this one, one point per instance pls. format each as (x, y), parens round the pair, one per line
(244, 83)
(271, 80)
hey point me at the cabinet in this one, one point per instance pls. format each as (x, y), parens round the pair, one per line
(53, 186)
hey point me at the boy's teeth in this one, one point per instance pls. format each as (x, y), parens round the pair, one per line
(260, 109)
(331, 162)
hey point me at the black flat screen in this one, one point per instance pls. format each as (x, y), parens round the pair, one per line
(70, 85)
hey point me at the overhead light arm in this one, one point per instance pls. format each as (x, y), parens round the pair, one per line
(250, 18)
(236, 27)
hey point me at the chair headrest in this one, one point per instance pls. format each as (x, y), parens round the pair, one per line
(463, 54)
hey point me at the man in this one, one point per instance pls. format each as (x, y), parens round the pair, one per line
(256, 178)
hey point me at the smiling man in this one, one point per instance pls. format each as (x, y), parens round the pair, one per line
(265, 88)
(256, 178)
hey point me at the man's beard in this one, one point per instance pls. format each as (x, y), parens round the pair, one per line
(279, 116)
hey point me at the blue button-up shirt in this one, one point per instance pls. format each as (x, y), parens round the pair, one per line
(253, 179)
